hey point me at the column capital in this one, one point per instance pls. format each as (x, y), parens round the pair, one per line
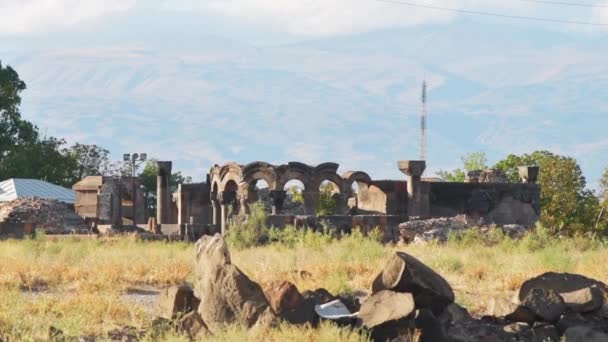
(412, 168)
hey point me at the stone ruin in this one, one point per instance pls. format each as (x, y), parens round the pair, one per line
(230, 189)
(207, 207)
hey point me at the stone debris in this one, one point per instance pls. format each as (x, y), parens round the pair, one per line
(227, 295)
(409, 302)
(51, 216)
(421, 231)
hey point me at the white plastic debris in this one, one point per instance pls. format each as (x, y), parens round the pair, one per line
(334, 310)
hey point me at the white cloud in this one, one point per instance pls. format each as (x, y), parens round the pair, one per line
(27, 16)
(326, 17)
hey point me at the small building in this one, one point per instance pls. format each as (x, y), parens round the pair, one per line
(15, 188)
(110, 200)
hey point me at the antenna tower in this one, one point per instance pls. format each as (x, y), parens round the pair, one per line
(423, 123)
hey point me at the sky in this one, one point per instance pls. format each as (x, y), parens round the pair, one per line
(207, 82)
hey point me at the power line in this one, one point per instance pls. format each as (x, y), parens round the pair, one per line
(565, 3)
(438, 8)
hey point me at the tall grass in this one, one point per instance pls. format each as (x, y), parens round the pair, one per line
(79, 286)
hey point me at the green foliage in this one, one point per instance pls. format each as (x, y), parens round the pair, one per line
(148, 177)
(604, 186)
(296, 194)
(471, 161)
(327, 202)
(90, 160)
(566, 206)
(250, 232)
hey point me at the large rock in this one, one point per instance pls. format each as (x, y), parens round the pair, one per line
(560, 283)
(406, 274)
(584, 300)
(289, 304)
(176, 301)
(227, 295)
(386, 314)
(283, 296)
(545, 303)
(192, 325)
(584, 334)
(386, 306)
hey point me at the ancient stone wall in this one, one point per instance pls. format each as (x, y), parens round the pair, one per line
(500, 203)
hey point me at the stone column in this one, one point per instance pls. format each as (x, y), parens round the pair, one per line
(415, 199)
(529, 174)
(243, 197)
(311, 201)
(163, 173)
(278, 199)
(225, 199)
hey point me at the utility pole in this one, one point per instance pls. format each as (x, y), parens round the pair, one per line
(423, 123)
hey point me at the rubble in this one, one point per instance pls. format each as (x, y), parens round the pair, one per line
(51, 216)
(409, 302)
(420, 231)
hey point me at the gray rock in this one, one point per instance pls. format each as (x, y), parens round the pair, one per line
(560, 283)
(385, 306)
(192, 325)
(177, 301)
(227, 295)
(406, 274)
(545, 303)
(584, 334)
(584, 300)
(454, 314)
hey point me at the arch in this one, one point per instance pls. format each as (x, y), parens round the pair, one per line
(260, 171)
(359, 177)
(294, 171)
(230, 172)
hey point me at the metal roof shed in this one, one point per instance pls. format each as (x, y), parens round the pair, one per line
(15, 188)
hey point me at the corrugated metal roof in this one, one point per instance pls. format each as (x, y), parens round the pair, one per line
(14, 188)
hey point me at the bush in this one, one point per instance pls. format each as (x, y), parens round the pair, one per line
(246, 232)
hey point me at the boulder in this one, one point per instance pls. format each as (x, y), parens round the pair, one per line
(454, 314)
(560, 283)
(387, 315)
(545, 303)
(584, 300)
(406, 274)
(176, 301)
(540, 333)
(584, 334)
(192, 325)
(289, 304)
(283, 296)
(386, 306)
(500, 307)
(521, 314)
(227, 295)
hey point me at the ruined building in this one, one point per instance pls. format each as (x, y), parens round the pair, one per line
(231, 189)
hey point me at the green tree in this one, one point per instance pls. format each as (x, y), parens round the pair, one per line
(567, 207)
(13, 129)
(327, 202)
(471, 161)
(89, 160)
(40, 160)
(604, 186)
(148, 177)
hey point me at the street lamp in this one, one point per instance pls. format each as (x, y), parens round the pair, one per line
(135, 159)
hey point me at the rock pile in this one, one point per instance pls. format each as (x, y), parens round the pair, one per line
(408, 302)
(52, 216)
(438, 229)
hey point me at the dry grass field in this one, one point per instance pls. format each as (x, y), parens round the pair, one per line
(80, 286)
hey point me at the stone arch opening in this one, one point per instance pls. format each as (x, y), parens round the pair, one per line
(329, 199)
(294, 203)
(258, 191)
